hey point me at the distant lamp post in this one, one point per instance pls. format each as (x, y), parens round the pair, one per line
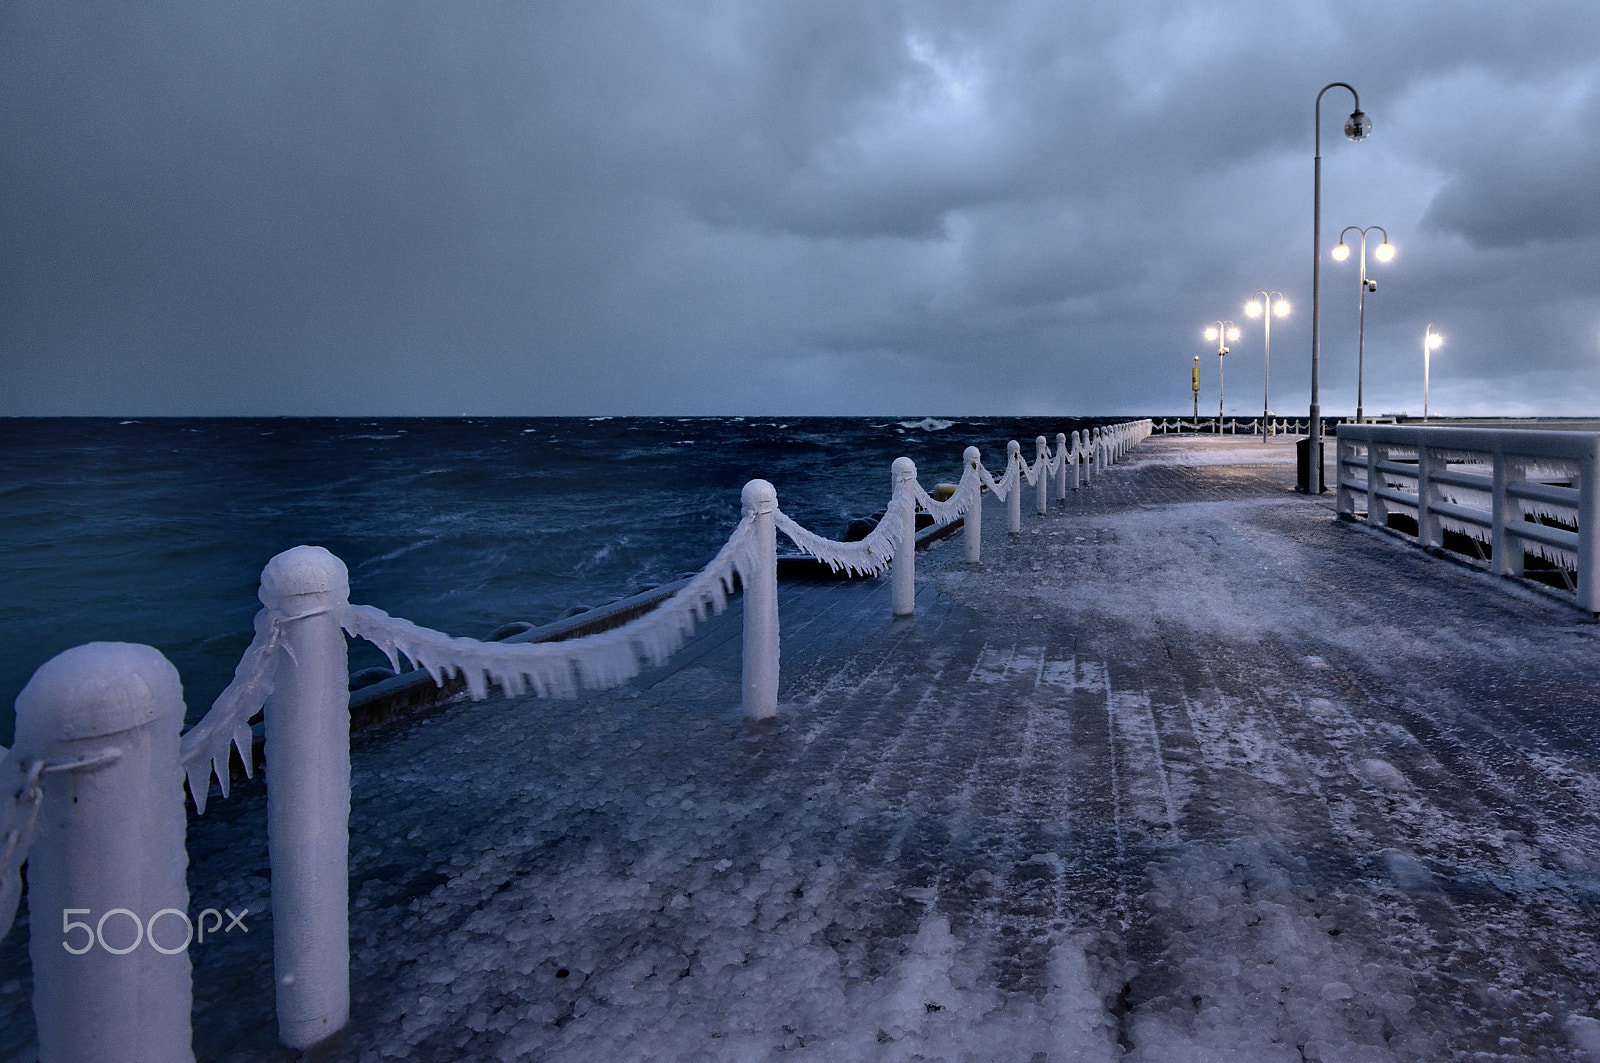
(1384, 252)
(1264, 305)
(1194, 385)
(1222, 333)
(1356, 127)
(1430, 343)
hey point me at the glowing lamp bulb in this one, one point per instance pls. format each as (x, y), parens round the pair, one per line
(1253, 308)
(1341, 252)
(1211, 335)
(1384, 252)
(1282, 309)
(1233, 335)
(1434, 340)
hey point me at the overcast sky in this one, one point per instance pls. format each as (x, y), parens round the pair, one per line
(788, 206)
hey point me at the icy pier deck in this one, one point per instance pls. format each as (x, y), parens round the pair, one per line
(1186, 771)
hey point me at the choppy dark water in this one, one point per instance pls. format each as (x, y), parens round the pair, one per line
(156, 531)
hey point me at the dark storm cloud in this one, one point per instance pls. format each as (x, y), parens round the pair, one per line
(809, 206)
(1526, 170)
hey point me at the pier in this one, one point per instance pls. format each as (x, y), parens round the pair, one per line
(1189, 769)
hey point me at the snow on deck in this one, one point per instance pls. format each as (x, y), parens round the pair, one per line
(1187, 771)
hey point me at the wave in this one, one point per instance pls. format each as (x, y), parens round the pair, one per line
(927, 424)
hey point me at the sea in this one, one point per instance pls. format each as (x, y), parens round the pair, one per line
(155, 531)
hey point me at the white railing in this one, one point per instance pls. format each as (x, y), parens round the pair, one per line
(1517, 491)
(94, 781)
(1276, 426)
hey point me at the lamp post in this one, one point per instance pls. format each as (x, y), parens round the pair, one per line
(1261, 305)
(1194, 385)
(1224, 333)
(1356, 127)
(1384, 252)
(1430, 343)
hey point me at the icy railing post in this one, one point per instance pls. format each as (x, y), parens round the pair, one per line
(1344, 502)
(1041, 481)
(1077, 460)
(1505, 550)
(760, 679)
(1588, 574)
(107, 894)
(307, 720)
(1427, 522)
(1061, 466)
(1014, 498)
(973, 519)
(904, 578)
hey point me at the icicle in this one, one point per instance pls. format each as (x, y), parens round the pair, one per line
(205, 747)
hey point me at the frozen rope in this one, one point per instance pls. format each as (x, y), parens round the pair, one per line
(966, 495)
(1003, 486)
(22, 819)
(1031, 474)
(206, 748)
(560, 669)
(869, 556)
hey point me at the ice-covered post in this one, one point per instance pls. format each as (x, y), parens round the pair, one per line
(1077, 459)
(1041, 475)
(307, 722)
(1505, 550)
(1344, 503)
(972, 521)
(107, 896)
(1588, 574)
(1427, 522)
(1014, 497)
(1061, 466)
(904, 579)
(760, 681)
(1377, 508)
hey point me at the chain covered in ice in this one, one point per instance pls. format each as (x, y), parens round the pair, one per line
(206, 748)
(1002, 487)
(560, 669)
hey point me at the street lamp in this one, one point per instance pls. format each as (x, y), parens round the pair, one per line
(1356, 127)
(1222, 333)
(1384, 252)
(1430, 343)
(1261, 305)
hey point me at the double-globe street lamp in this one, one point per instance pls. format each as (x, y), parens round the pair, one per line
(1264, 305)
(1356, 127)
(1430, 343)
(1383, 253)
(1223, 333)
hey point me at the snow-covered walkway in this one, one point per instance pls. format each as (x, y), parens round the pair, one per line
(1187, 771)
